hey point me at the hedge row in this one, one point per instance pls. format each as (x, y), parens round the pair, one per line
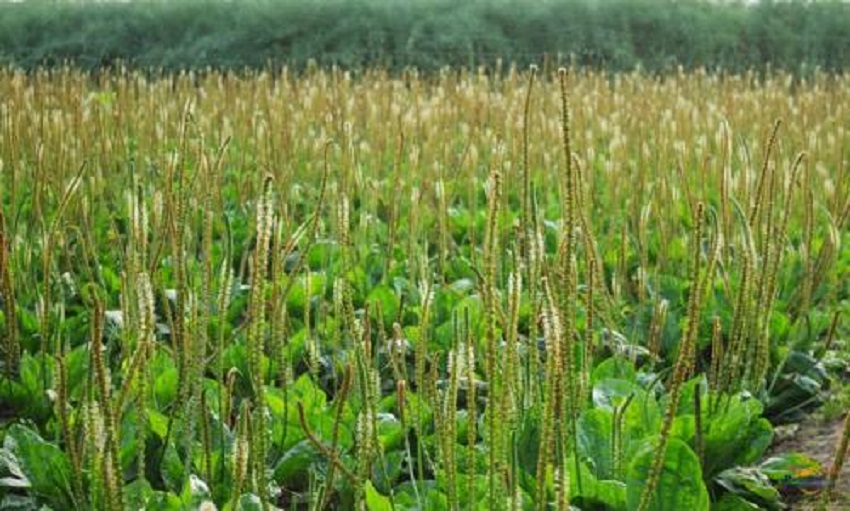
(427, 34)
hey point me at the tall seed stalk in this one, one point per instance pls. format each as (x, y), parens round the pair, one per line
(684, 360)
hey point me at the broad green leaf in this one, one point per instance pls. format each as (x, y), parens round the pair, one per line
(610, 393)
(735, 435)
(386, 298)
(614, 368)
(77, 361)
(641, 418)
(595, 429)
(390, 433)
(528, 443)
(787, 466)
(684, 428)
(157, 422)
(731, 502)
(172, 469)
(416, 409)
(165, 387)
(295, 462)
(250, 502)
(137, 494)
(236, 356)
(430, 495)
(687, 396)
(306, 391)
(462, 286)
(751, 484)
(473, 306)
(11, 473)
(460, 268)
(44, 465)
(12, 502)
(299, 295)
(612, 494)
(28, 393)
(444, 336)
(195, 492)
(755, 442)
(375, 501)
(388, 470)
(321, 253)
(680, 485)
(128, 449)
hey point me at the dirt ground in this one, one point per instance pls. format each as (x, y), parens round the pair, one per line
(818, 439)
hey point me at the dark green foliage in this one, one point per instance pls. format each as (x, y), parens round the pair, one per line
(615, 35)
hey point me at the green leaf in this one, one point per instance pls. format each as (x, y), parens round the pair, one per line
(388, 301)
(157, 422)
(794, 472)
(528, 443)
(790, 465)
(751, 484)
(172, 469)
(475, 307)
(595, 428)
(375, 501)
(164, 501)
(390, 434)
(13, 474)
(416, 408)
(684, 428)
(165, 386)
(250, 502)
(42, 464)
(680, 485)
(641, 418)
(797, 388)
(321, 253)
(611, 393)
(735, 435)
(430, 494)
(755, 442)
(77, 361)
(128, 449)
(195, 492)
(137, 494)
(236, 356)
(611, 494)
(306, 391)
(731, 502)
(297, 300)
(28, 394)
(14, 502)
(295, 462)
(614, 368)
(388, 470)
(688, 391)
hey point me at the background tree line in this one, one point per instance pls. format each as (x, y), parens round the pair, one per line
(616, 35)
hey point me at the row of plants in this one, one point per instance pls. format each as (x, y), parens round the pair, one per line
(421, 292)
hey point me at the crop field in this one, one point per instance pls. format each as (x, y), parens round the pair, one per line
(534, 290)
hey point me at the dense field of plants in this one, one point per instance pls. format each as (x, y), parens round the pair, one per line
(533, 290)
